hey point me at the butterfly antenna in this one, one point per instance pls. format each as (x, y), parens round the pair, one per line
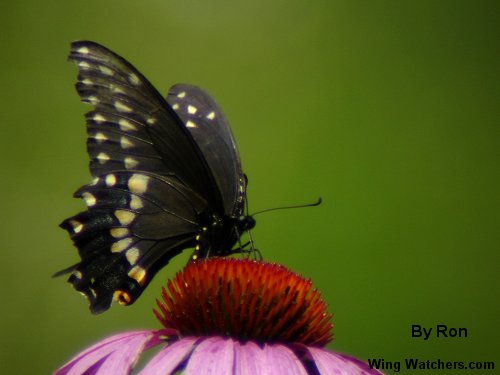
(317, 203)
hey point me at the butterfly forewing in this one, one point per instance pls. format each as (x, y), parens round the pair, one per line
(150, 181)
(132, 126)
(165, 178)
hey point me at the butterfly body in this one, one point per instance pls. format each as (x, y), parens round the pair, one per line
(166, 177)
(214, 239)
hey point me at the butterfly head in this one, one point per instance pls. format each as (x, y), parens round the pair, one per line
(245, 223)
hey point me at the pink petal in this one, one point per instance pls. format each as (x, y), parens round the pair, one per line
(280, 360)
(214, 355)
(277, 359)
(116, 354)
(168, 358)
(329, 363)
(252, 359)
(247, 357)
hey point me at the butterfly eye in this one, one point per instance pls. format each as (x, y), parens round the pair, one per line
(250, 222)
(246, 223)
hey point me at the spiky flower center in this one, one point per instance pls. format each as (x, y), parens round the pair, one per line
(246, 300)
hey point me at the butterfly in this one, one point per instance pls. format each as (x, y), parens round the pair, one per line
(166, 177)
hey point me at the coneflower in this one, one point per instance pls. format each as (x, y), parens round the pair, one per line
(228, 316)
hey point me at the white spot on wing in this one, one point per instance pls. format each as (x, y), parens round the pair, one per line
(133, 79)
(100, 137)
(124, 217)
(138, 274)
(102, 157)
(99, 118)
(175, 106)
(138, 183)
(121, 245)
(84, 65)
(119, 232)
(182, 94)
(132, 255)
(211, 115)
(136, 203)
(89, 199)
(126, 125)
(93, 100)
(191, 109)
(87, 81)
(130, 162)
(83, 50)
(77, 226)
(125, 143)
(121, 107)
(151, 121)
(110, 180)
(117, 89)
(190, 124)
(94, 181)
(105, 70)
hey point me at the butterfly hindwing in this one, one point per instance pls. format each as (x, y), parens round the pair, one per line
(124, 229)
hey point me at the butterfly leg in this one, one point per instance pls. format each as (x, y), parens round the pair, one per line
(253, 251)
(242, 249)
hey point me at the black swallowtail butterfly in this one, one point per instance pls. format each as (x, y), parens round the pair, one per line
(166, 177)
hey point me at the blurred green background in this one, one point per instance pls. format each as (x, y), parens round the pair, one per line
(388, 110)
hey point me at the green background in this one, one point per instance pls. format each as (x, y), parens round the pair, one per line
(388, 110)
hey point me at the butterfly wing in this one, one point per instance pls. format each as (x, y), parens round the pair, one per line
(207, 124)
(131, 119)
(150, 183)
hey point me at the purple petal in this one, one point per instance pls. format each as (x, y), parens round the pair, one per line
(247, 357)
(214, 355)
(280, 360)
(329, 363)
(168, 358)
(251, 359)
(116, 354)
(274, 359)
